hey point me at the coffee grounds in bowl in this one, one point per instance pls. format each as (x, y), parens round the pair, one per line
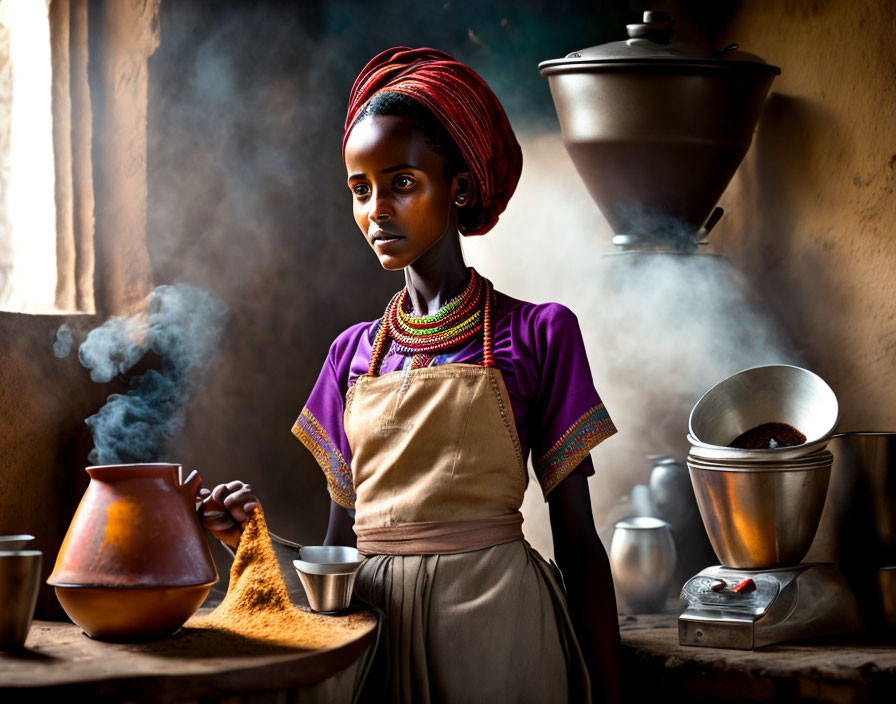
(768, 436)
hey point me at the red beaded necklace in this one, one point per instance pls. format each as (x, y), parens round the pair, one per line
(424, 336)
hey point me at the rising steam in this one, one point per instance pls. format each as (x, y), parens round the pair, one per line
(659, 329)
(182, 325)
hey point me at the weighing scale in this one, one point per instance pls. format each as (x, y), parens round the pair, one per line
(806, 601)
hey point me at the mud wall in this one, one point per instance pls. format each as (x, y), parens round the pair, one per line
(811, 212)
(43, 403)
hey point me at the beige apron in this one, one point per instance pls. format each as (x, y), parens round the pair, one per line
(472, 613)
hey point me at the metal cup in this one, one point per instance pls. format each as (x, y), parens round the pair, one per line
(328, 593)
(327, 573)
(19, 583)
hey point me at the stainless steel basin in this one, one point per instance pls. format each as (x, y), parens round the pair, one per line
(760, 517)
(775, 393)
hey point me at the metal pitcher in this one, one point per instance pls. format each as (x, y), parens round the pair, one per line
(642, 558)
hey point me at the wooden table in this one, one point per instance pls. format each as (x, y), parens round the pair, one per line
(60, 661)
(657, 668)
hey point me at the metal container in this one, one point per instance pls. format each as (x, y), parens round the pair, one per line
(858, 525)
(761, 516)
(642, 559)
(872, 458)
(656, 128)
(19, 584)
(717, 452)
(774, 393)
(327, 573)
(673, 498)
(671, 492)
(817, 459)
(15, 542)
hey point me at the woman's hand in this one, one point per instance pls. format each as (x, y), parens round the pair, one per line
(226, 509)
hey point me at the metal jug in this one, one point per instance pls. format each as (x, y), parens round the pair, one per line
(642, 558)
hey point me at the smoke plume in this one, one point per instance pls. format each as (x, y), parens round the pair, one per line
(62, 343)
(182, 325)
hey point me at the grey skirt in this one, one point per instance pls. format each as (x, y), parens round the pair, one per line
(485, 626)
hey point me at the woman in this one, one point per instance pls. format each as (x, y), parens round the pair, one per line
(423, 420)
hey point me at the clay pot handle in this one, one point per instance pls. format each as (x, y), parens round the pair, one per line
(190, 486)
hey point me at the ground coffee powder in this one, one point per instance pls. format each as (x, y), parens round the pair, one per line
(257, 604)
(768, 436)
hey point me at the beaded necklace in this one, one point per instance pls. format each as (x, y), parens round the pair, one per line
(424, 336)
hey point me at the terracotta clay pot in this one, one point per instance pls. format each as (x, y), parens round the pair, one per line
(134, 563)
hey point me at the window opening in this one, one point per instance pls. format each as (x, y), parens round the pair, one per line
(28, 270)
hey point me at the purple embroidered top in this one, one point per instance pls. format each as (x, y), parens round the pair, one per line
(541, 355)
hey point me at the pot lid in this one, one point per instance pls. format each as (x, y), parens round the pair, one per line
(650, 42)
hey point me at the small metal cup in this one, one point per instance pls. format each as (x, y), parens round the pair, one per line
(328, 593)
(19, 583)
(327, 573)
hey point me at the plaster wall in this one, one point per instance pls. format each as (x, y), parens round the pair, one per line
(810, 213)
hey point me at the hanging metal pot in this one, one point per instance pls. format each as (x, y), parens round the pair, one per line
(657, 128)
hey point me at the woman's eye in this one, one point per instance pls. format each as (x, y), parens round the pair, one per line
(361, 190)
(404, 183)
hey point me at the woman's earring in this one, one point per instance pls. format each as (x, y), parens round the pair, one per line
(461, 199)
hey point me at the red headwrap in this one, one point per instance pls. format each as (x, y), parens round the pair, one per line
(468, 109)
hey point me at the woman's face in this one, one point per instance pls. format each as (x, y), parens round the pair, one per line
(401, 199)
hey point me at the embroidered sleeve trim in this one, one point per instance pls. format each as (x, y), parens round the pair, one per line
(337, 471)
(573, 446)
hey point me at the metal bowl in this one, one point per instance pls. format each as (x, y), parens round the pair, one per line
(760, 518)
(776, 393)
(327, 573)
(817, 459)
(718, 452)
